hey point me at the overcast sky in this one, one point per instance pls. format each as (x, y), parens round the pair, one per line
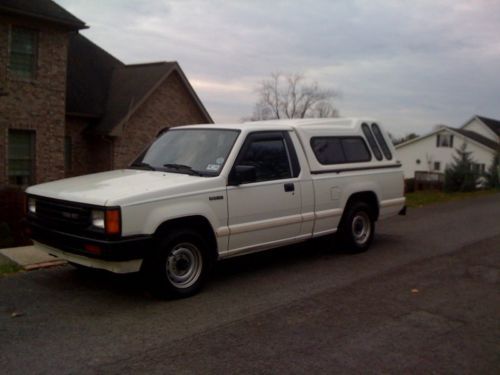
(410, 64)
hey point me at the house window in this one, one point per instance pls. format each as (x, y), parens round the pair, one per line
(437, 166)
(444, 140)
(23, 48)
(68, 153)
(21, 157)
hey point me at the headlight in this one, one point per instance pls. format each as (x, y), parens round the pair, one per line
(98, 219)
(109, 220)
(32, 205)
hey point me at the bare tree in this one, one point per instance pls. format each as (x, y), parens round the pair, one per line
(406, 138)
(290, 96)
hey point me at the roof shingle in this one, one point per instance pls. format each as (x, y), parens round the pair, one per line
(491, 123)
(89, 73)
(478, 138)
(129, 85)
(46, 10)
(102, 87)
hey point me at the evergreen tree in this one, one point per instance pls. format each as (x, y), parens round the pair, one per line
(460, 175)
(493, 174)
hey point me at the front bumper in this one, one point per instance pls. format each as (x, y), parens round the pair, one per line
(127, 266)
(119, 249)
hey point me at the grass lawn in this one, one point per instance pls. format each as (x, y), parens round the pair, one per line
(8, 268)
(425, 197)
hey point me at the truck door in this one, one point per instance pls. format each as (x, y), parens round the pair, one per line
(264, 200)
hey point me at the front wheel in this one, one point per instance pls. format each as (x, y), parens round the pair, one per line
(357, 227)
(179, 265)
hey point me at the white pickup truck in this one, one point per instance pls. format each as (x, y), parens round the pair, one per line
(206, 192)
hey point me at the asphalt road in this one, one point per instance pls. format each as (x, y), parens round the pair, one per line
(425, 298)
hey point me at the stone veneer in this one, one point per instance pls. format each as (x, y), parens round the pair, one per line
(37, 104)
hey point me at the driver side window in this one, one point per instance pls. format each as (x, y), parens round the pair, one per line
(269, 157)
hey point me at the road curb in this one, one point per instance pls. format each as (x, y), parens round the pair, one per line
(37, 266)
(29, 258)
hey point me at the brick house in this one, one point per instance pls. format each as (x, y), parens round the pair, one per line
(67, 107)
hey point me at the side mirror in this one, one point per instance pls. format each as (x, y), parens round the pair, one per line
(242, 174)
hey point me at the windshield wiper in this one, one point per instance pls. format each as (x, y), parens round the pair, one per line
(183, 169)
(142, 165)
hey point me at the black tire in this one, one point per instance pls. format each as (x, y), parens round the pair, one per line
(357, 227)
(179, 265)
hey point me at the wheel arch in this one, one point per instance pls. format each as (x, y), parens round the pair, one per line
(368, 196)
(197, 223)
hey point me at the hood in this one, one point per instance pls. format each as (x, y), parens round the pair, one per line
(108, 188)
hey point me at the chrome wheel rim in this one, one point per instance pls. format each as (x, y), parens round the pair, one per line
(184, 264)
(361, 228)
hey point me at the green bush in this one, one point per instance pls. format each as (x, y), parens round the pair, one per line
(6, 239)
(12, 213)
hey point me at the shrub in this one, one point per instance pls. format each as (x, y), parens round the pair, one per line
(409, 185)
(12, 213)
(6, 239)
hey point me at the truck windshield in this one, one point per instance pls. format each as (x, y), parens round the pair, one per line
(201, 152)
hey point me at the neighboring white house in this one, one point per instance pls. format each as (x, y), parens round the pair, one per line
(434, 151)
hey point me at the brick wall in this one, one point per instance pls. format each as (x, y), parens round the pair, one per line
(90, 153)
(37, 104)
(170, 105)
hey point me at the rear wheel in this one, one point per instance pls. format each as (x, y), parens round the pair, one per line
(179, 265)
(357, 227)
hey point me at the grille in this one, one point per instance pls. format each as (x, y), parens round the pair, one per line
(62, 215)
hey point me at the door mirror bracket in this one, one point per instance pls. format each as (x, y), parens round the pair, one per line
(242, 174)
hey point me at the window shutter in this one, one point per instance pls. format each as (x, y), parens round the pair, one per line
(437, 140)
(451, 140)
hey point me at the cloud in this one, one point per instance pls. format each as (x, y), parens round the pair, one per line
(410, 64)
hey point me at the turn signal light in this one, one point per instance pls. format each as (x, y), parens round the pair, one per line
(113, 222)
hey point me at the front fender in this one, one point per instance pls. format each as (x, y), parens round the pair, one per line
(147, 217)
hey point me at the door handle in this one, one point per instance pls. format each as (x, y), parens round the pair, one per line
(289, 187)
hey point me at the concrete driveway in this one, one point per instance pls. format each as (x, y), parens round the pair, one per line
(423, 299)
